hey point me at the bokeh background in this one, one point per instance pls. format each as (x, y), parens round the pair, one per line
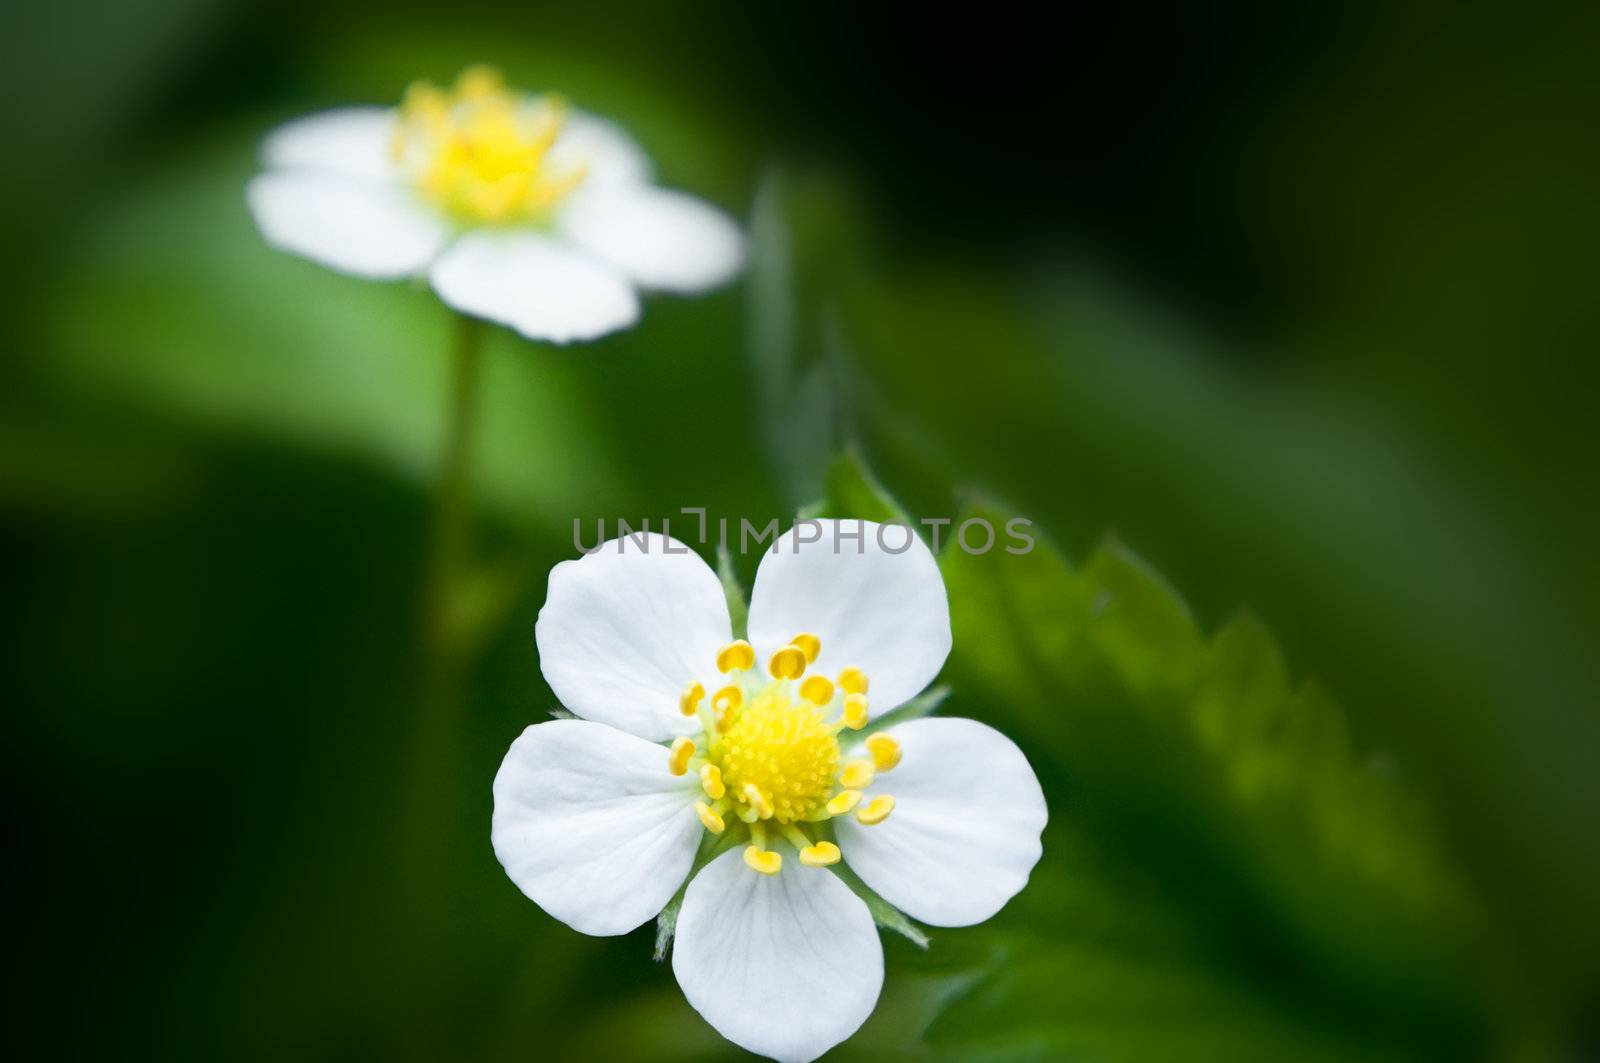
(1295, 303)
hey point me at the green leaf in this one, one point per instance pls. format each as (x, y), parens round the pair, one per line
(1138, 621)
(853, 493)
(1215, 828)
(794, 395)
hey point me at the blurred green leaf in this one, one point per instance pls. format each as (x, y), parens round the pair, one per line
(794, 400)
(180, 305)
(853, 493)
(1196, 773)
(1432, 602)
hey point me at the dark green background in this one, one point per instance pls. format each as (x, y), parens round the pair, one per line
(1299, 303)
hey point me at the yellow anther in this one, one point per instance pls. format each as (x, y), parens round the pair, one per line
(727, 699)
(708, 818)
(808, 644)
(885, 751)
(788, 663)
(817, 689)
(479, 150)
(876, 811)
(781, 745)
(678, 760)
(689, 700)
(758, 801)
(711, 781)
(855, 775)
(843, 801)
(820, 855)
(423, 106)
(763, 860)
(854, 680)
(855, 711)
(479, 82)
(736, 657)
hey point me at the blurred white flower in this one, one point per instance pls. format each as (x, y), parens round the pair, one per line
(769, 746)
(519, 209)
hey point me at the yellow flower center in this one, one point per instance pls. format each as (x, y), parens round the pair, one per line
(783, 748)
(769, 755)
(480, 152)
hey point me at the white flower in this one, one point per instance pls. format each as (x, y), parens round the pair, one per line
(765, 751)
(517, 208)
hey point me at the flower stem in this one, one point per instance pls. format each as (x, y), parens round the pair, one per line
(451, 540)
(432, 782)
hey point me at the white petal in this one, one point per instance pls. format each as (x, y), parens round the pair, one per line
(785, 965)
(353, 141)
(358, 227)
(608, 154)
(589, 824)
(626, 629)
(879, 610)
(964, 833)
(663, 239)
(543, 289)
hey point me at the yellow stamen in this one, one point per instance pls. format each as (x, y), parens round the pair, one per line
(855, 711)
(479, 82)
(885, 751)
(763, 860)
(478, 151)
(854, 680)
(678, 759)
(758, 801)
(788, 663)
(808, 644)
(855, 775)
(843, 801)
(736, 657)
(820, 855)
(784, 748)
(710, 819)
(689, 701)
(727, 699)
(711, 781)
(876, 811)
(817, 689)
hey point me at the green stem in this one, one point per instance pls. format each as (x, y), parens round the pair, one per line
(451, 544)
(432, 787)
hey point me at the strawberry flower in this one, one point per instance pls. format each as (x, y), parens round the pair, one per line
(517, 208)
(760, 763)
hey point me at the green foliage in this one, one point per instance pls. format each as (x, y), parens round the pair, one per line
(1210, 825)
(1226, 874)
(853, 493)
(1190, 773)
